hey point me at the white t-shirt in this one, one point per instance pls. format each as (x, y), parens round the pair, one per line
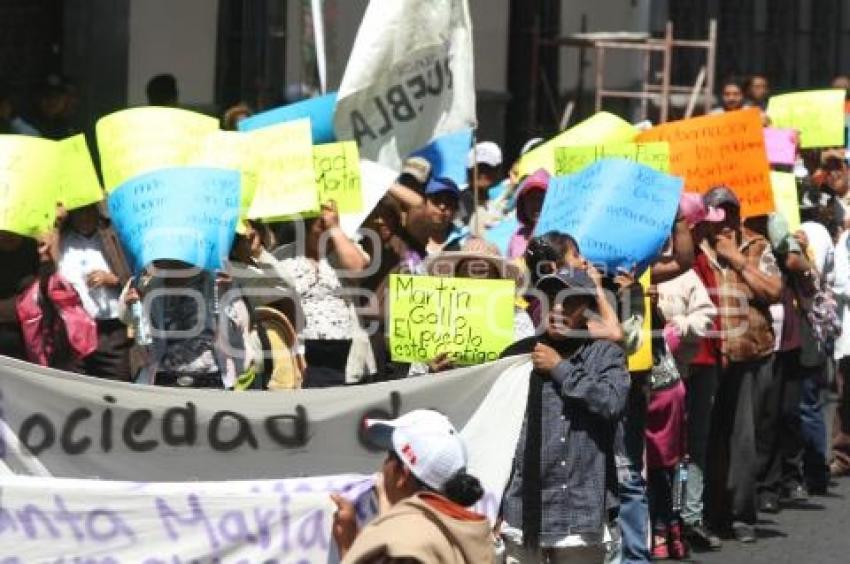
(80, 256)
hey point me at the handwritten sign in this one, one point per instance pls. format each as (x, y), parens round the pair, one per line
(620, 212)
(78, 182)
(572, 159)
(641, 359)
(319, 110)
(781, 145)
(139, 140)
(721, 149)
(470, 319)
(600, 129)
(187, 214)
(448, 155)
(337, 169)
(785, 195)
(282, 159)
(230, 150)
(817, 114)
(28, 186)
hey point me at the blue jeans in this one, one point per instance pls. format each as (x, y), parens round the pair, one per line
(813, 429)
(634, 505)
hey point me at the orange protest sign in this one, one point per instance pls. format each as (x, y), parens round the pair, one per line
(725, 149)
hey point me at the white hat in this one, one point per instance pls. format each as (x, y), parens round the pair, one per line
(426, 441)
(487, 153)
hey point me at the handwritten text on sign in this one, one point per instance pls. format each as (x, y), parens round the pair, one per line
(817, 114)
(337, 168)
(187, 214)
(469, 319)
(28, 184)
(722, 149)
(620, 212)
(572, 159)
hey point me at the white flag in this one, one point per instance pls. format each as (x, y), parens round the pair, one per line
(409, 78)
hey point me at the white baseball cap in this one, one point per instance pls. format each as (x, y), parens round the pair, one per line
(487, 153)
(426, 441)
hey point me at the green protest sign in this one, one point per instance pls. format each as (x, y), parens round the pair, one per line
(469, 319)
(337, 168)
(655, 155)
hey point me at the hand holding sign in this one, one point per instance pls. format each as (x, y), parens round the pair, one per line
(620, 212)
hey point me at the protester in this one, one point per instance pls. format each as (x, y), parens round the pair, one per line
(741, 266)
(484, 171)
(430, 215)
(757, 90)
(92, 260)
(529, 204)
(732, 96)
(562, 493)
(682, 314)
(423, 492)
(19, 256)
(840, 465)
(162, 90)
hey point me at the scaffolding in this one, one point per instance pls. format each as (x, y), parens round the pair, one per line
(656, 87)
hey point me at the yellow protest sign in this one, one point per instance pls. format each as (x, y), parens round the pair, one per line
(139, 140)
(572, 159)
(282, 157)
(28, 184)
(337, 169)
(641, 359)
(78, 182)
(784, 186)
(817, 114)
(469, 319)
(600, 129)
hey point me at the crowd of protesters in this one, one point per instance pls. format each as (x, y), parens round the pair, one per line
(751, 332)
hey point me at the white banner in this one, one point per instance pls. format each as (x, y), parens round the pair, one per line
(233, 520)
(409, 78)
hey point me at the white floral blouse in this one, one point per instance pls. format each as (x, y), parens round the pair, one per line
(327, 314)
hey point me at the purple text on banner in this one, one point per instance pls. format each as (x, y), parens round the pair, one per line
(781, 145)
(448, 155)
(320, 110)
(187, 214)
(620, 212)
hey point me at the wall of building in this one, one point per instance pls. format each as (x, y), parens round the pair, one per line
(177, 37)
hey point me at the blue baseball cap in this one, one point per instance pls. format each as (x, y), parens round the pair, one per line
(442, 184)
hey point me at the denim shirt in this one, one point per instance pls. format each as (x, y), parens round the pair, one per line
(582, 402)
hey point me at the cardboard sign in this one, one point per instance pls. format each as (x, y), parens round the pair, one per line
(781, 145)
(139, 140)
(470, 319)
(187, 214)
(448, 155)
(78, 182)
(28, 184)
(785, 195)
(231, 150)
(600, 129)
(817, 114)
(720, 149)
(572, 159)
(337, 169)
(281, 156)
(319, 110)
(620, 212)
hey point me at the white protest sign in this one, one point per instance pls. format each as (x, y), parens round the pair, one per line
(409, 78)
(375, 180)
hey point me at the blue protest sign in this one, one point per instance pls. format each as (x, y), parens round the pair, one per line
(448, 155)
(320, 110)
(187, 214)
(620, 212)
(501, 233)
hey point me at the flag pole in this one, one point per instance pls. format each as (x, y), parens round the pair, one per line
(476, 229)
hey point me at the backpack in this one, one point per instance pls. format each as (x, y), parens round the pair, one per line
(55, 326)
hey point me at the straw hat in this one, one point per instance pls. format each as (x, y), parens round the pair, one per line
(446, 263)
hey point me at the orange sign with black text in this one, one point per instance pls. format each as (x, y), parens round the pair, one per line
(720, 149)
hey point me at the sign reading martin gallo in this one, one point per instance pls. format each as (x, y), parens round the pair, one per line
(149, 444)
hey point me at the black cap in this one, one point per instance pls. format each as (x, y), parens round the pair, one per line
(566, 278)
(720, 196)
